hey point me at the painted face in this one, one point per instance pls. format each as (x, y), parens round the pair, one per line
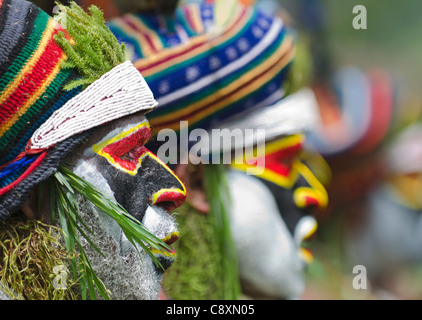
(117, 162)
(269, 263)
(296, 190)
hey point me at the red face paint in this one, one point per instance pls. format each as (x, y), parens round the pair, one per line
(126, 150)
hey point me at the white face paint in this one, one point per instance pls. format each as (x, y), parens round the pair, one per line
(147, 190)
(269, 260)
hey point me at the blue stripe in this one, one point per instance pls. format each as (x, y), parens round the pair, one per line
(177, 82)
(19, 146)
(15, 169)
(121, 36)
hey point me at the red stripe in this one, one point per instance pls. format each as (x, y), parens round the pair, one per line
(170, 200)
(311, 201)
(190, 48)
(280, 161)
(25, 174)
(381, 111)
(18, 157)
(144, 34)
(32, 80)
(219, 98)
(127, 152)
(188, 15)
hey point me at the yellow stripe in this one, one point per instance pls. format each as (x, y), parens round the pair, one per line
(158, 45)
(316, 189)
(31, 62)
(223, 11)
(311, 232)
(195, 15)
(253, 74)
(280, 180)
(306, 255)
(34, 97)
(168, 237)
(284, 143)
(98, 148)
(146, 50)
(159, 193)
(118, 166)
(164, 252)
(171, 172)
(210, 42)
(120, 136)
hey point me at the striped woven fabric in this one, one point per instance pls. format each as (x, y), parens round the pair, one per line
(31, 83)
(203, 71)
(41, 121)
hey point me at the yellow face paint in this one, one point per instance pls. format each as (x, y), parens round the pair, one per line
(182, 191)
(169, 239)
(306, 255)
(281, 157)
(126, 150)
(283, 167)
(171, 254)
(315, 194)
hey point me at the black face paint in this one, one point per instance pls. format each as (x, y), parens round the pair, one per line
(286, 204)
(117, 162)
(129, 191)
(136, 177)
(290, 213)
(136, 193)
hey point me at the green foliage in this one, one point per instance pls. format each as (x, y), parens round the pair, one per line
(218, 195)
(206, 265)
(92, 48)
(197, 273)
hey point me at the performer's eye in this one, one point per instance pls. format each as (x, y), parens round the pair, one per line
(126, 150)
(128, 156)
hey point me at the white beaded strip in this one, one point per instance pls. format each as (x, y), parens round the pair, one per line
(120, 92)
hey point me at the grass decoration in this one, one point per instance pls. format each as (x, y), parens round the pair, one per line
(29, 251)
(63, 188)
(92, 48)
(218, 195)
(197, 272)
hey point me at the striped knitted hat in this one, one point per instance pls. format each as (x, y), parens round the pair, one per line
(203, 68)
(47, 107)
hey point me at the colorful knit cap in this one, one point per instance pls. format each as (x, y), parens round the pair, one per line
(41, 121)
(203, 70)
